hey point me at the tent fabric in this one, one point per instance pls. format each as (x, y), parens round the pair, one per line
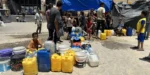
(80, 5)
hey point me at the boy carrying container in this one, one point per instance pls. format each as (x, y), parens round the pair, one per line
(140, 31)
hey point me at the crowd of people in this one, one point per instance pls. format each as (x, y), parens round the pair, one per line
(91, 23)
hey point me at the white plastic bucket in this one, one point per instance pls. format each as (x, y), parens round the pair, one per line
(63, 48)
(81, 56)
(4, 64)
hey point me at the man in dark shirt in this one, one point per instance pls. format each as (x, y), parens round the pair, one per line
(50, 30)
(55, 20)
(82, 21)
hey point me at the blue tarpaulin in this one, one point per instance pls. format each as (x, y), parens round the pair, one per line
(80, 5)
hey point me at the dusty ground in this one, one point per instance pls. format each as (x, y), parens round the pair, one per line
(116, 57)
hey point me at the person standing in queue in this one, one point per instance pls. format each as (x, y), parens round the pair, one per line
(50, 30)
(69, 25)
(101, 18)
(82, 21)
(54, 21)
(61, 24)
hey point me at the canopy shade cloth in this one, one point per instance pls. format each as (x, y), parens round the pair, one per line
(80, 5)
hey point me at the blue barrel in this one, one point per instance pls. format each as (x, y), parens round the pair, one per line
(43, 59)
(129, 31)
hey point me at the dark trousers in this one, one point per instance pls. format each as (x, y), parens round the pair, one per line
(100, 25)
(55, 39)
(50, 31)
(39, 27)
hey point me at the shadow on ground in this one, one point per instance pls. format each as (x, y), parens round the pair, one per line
(115, 45)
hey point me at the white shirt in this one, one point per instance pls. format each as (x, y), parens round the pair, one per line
(38, 17)
(100, 12)
(69, 22)
(42, 2)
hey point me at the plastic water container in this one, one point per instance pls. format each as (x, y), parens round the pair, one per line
(82, 39)
(6, 52)
(113, 32)
(56, 63)
(49, 45)
(63, 48)
(43, 58)
(134, 32)
(103, 36)
(90, 50)
(30, 66)
(73, 34)
(81, 56)
(99, 33)
(71, 53)
(124, 31)
(109, 33)
(129, 31)
(67, 63)
(4, 64)
(19, 50)
(93, 60)
(79, 34)
(73, 29)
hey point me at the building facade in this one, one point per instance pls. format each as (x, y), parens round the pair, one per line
(27, 6)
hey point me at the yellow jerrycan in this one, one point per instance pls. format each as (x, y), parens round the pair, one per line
(30, 66)
(56, 63)
(103, 36)
(82, 39)
(109, 32)
(71, 53)
(106, 31)
(67, 63)
(124, 31)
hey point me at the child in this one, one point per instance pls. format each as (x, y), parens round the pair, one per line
(119, 27)
(89, 27)
(108, 20)
(34, 43)
(140, 31)
(74, 23)
(69, 24)
(38, 21)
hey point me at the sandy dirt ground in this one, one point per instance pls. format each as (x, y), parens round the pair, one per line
(116, 57)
